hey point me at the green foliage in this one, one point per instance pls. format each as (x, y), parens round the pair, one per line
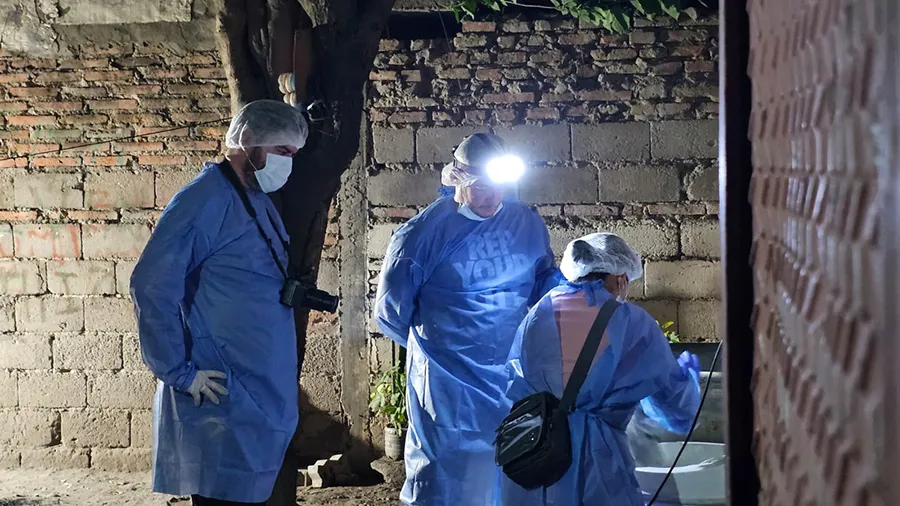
(388, 397)
(671, 335)
(613, 15)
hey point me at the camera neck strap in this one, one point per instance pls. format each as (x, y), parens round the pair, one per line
(586, 357)
(232, 177)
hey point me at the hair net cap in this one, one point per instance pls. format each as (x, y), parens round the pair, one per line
(474, 151)
(267, 123)
(600, 254)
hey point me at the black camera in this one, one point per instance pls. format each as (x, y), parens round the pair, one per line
(296, 293)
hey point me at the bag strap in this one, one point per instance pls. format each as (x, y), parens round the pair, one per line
(586, 357)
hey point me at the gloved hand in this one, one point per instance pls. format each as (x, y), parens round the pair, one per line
(689, 362)
(203, 384)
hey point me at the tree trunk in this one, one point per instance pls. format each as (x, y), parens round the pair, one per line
(253, 41)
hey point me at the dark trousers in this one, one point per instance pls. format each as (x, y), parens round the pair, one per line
(197, 500)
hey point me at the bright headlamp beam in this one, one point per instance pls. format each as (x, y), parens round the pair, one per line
(505, 169)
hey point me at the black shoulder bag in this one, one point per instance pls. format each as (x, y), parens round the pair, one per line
(533, 445)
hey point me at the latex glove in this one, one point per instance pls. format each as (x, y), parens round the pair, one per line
(203, 384)
(689, 362)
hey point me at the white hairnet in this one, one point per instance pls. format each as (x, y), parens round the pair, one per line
(600, 254)
(452, 176)
(266, 123)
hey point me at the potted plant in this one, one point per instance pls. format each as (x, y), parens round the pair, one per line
(704, 351)
(388, 399)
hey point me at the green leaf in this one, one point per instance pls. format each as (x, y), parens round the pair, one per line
(620, 21)
(692, 13)
(671, 7)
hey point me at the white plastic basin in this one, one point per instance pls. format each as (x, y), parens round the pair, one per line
(698, 479)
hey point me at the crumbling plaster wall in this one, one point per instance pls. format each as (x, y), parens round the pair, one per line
(621, 132)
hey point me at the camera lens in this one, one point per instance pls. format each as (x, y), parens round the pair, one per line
(319, 300)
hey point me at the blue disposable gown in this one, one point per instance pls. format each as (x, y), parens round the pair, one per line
(453, 290)
(206, 296)
(637, 365)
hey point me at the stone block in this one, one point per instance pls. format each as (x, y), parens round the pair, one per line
(393, 145)
(329, 276)
(662, 310)
(100, 12)
(687, 279)
(6, 240)
(7, 316)
(117, 190)
(121, 460)
(81, 277)
(28, 427)
(87, 351)
(131, 353)
(435, 145)
(7, 189)
(95, 428)
(379, 238)
(29, 351)
(49, 314)
(559, 185)
(55, 457)
(700, 238)
(114, 240)
(48, 190)
(381, 354)
(677, 140)
(121, 390)
(9, 385)
(703, 184)
(322, 355)
(46, 389)
(108, 314)
(20, 278)
(124, 269)
(47, 241)
(640, 183)
(170, 183)
(141, 428)
(651, 239)
(10, 458)
(322, 393)
(611, 141)
(538, 143)
(700, 320)
(399, 188)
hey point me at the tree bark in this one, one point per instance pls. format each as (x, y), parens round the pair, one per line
(252, 38)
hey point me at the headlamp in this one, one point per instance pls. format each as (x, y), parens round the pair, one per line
(505, 169)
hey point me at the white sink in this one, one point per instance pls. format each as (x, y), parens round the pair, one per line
(698, 479)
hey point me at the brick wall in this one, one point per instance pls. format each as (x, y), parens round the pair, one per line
(621, 131)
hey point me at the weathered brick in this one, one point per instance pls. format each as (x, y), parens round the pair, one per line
(141, 428)
(516, 27)
(550, 143)
(379, 237)
(47, 241)
(55, 161)
(121, 390)
(687, 279)
(114, 240)
(20, 278)
(109, 314)
(700, 238)
(13, 106)
(8, 389)
(49, 314)
(132, 147)
(700, 319)
(45, 389)
(578, 39)
(604, 95)
(137, 90)
(208, 73)
(508, 98)
(408, 117)
(454, 73)
(84, 119)
(36, 190)
(435, 145)
(651, 239)
(558, 185)
(161, 160)
(710, 92)
(543, 113)
(108, 75)
(124, 269)
(85, 216)
(398, 188)
(132, 359)
(6, 240)
(662, 311)
(33, 92)
(106, 161)
(642, 37)
(676, 209)
(640, 183)
(505, 115)
(10, 458)
(592, 210)
(700, 66)
(511, 58)
(192, 145)
(112, 190)
(20, 215)
(703, 184)
(611, 141)
(55, 457)
(614, 54)
(383, 75)
(28, 427)
(124, 460)
(479, 26)
(7, 316)
(95, 428)
(31, 120)
(79, 92)
(685, 139)
(322, 394)
(469, 41)
(33, 149)
(25, 351)
(169, 183)
(393, 145)
(87, 351)
(191, 89)
(164, 74)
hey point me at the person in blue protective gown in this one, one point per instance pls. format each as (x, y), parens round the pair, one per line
(456, 281)
(211, 327)
(634, 369)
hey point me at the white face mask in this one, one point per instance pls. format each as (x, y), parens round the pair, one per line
(467, 211)
(275, 174)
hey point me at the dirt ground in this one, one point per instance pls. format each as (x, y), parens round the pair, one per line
(93, 488)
